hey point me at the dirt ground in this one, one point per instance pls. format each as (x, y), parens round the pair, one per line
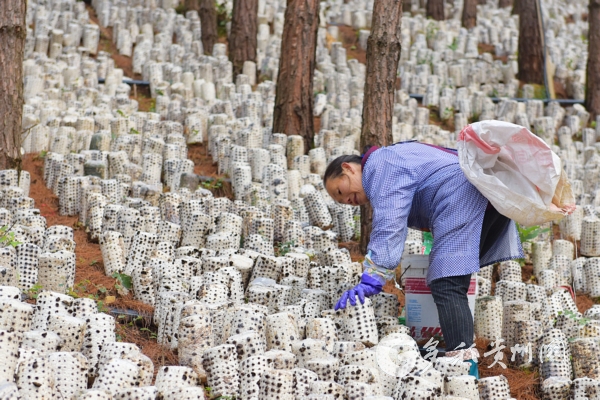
(90, 280)
(107, 45)
(524, 383)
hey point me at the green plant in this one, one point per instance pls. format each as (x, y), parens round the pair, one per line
(213, 184)
(574, 317)
(34, 291)
(121, 113)
(102, 307)
(539, 92)
(134, 131)
(454, 45)
(7, 237)
(223, 17)
(123, 282)
(42, 155)
(431, 30)
(181, 9)
(593, 124)
(81, 289)
(448, 112)
(285, 247)
(135, 321)
(528, 234)
(93, 262)
(159, 93)
(152, 334)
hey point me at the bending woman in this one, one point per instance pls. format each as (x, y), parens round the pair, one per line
(421, 186)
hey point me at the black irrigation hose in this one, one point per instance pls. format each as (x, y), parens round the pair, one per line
(129, 315)
(128, 81)
(519, 99)
(116, 312)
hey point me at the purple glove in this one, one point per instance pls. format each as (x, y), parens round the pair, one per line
(367, 287)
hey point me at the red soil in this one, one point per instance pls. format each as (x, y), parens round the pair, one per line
(90, 280)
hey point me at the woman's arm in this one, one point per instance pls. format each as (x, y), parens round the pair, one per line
(390, 184)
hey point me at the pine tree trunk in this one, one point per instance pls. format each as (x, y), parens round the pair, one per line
(469, 14)
(516, 7)
(592, 97)
(12, 44)
(192, 5)
(208, 23)
(293, 113)
(504, 3)
(435, 9)
(244, 28)
(531, 44)
(383, 55)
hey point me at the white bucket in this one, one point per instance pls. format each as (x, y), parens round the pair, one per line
(421, 311)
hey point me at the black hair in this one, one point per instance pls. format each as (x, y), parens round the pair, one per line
(334, 169)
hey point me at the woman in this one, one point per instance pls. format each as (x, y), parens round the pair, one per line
(421, 186)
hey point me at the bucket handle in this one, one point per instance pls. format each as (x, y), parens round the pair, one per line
(396, 282)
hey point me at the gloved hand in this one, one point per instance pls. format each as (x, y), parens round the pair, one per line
(367, 287)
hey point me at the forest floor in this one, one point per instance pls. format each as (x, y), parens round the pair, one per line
(90, 280)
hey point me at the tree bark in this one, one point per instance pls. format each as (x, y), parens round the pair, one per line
(12, 44)
(208, 23)
(192, 5)
(383, 55)
(516, 8)
(592, 96)
(435, 9)
(531, 43)
(293, 113)
(469, 14)
(504, 3)
(244, 28)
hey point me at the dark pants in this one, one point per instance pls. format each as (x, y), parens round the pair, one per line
(450, 293)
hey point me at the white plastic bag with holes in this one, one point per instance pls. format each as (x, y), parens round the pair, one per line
(516, 171)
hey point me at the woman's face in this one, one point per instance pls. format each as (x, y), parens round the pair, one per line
(347, 188)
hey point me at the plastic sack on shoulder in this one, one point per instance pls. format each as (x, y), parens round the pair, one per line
(516, 171)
